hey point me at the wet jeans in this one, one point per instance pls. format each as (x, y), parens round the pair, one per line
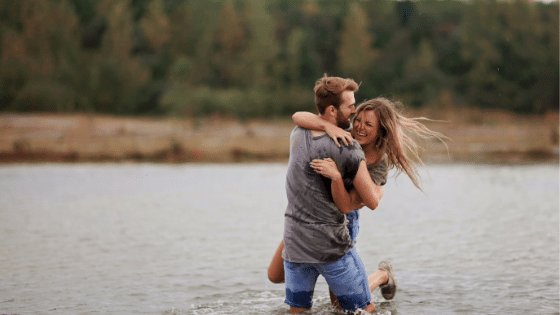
(346, 277)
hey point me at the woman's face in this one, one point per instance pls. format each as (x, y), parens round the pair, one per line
(365, 127)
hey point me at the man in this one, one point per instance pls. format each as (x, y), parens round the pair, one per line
(316, 238)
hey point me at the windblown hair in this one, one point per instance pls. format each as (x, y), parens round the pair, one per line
(395, 136)
(328, 90)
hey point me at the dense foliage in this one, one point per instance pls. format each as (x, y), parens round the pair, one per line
(260, 58)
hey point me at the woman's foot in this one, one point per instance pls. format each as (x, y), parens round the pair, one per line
(389, 288)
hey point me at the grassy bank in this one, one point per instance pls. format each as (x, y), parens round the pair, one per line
(476, 136)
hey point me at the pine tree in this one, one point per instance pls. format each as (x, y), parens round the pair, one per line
(117, 40)
(41, 62)
(155, 25)
(482, 79)
(262, 45)
(117, 78)
(422, 80)
(355, 52)
(293, 56)
(182, 40)
(228, 43)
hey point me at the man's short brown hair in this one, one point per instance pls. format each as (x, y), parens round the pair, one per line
(328, 90)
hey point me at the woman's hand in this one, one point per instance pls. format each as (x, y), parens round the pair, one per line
(326, 167)
(336, 133)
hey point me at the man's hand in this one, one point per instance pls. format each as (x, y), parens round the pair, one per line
(336, 133)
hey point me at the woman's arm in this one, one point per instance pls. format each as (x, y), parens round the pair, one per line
(311, 121)
(346, 202)
(369, 192)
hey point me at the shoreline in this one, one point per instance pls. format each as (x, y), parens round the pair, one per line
(480, 137)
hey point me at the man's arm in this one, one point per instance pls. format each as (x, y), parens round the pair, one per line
(369, 192)
(311, 121)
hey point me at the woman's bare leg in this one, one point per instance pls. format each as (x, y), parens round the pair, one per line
(276, 267)
(377, 278)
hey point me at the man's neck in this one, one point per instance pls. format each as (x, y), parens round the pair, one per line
(327, 118)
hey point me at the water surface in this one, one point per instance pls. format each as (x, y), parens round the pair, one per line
(196, 239)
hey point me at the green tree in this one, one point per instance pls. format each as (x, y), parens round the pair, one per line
(421, 80)
(356, 54)
(546, 89)
(262, 47)
(155, 25)
(482, 79)
(294, 50)
(117, 78)
(117, 39)
(182, 42)
(155, 53)
(251, 57)
(229, 41)
(510, 62)
(40, 60)
(193, 28)
(530, 65)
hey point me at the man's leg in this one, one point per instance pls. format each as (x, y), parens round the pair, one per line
(334, 300)
(376, 279)
(348, 281)
(300, 284)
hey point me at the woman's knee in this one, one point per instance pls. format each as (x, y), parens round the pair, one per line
(275, 276)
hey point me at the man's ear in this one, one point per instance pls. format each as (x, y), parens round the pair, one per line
(331, 110)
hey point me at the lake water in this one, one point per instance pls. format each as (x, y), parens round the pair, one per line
(197, 239)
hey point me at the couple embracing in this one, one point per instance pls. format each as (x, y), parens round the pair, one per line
(333, 172)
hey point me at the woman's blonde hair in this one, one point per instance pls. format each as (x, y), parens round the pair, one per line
(395, 135)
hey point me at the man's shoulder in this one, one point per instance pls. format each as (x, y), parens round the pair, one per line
(353, 149)
(355, 145)
(298, 131)
(326, 145)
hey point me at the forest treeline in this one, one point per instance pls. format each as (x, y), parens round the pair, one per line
(256, 58)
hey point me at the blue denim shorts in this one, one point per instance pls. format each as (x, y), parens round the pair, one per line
(346, 277)
(353, 224)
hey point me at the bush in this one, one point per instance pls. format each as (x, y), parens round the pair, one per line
(185, 100)
(45, 96)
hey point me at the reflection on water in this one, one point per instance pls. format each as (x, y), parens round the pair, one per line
(196, 239)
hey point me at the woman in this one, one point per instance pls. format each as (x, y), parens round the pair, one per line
(385, 137)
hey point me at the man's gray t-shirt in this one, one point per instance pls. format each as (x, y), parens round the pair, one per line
(315, 231)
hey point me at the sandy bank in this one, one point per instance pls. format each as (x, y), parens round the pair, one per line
(480, 137)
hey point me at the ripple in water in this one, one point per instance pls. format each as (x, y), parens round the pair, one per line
(268, 302)
(153, 239)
